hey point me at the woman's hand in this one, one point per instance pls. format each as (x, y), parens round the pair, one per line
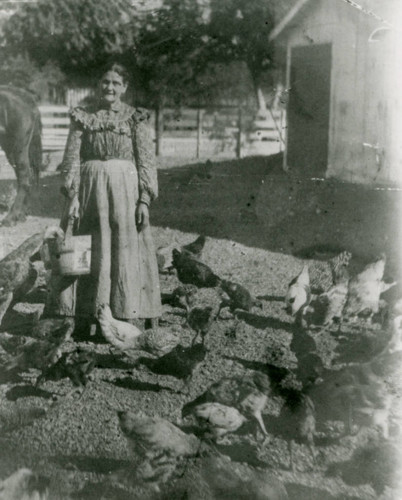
(74, 208)
(142, 216)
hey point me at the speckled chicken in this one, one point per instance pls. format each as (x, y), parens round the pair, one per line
(248, 394)
(365, 290)
(180, 363)
(24, 484)
(17, 273)
(323, 274)
(161, 340)
(238, 297)
(180, 297)
(327, 307)
(158, 442)
(76, 366)
(192, 271)
(120, 334)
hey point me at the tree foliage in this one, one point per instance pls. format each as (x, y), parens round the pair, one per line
(78, 35)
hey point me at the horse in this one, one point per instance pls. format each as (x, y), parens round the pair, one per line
(21, 141)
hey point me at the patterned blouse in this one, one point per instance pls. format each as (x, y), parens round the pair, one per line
(120, 132)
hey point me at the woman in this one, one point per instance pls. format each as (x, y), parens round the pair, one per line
(109, 174)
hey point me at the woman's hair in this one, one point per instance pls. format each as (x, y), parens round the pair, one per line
(117, 68)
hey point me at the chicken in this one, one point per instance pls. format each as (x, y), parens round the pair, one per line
(298, 295)
(217, 419)
(200, 319)
(180, 297)
(239, 297)
(195, 247)
(180, 363)
(192, 271)
(365, 290)
(38, 353)
(24, 484)
(160, 341)
(13, 344)
(248, 394)
(76, 365)
(328, 306)
(323, 274)
(48, 251)
(217, 477)
(17, 273)
(164, 257)
(297, 421)
(120, 334)
(53, 329)
(157, 442)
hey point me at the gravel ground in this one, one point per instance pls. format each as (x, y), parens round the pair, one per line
(257, 221)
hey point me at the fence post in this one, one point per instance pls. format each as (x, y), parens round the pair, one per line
(158, 129)
(199, 131)
(238, 142)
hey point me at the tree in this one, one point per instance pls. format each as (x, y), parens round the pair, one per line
(78, 36)
(238, 30)
(170, 53)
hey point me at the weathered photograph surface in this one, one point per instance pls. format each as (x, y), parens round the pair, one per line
(200, 249)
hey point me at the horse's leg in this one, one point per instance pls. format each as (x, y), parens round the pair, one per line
(22, 171)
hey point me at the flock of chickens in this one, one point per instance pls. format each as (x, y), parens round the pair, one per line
(322, 296)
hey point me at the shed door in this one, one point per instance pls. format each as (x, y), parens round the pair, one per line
(308, 109)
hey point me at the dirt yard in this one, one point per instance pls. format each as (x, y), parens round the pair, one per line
(260, 223)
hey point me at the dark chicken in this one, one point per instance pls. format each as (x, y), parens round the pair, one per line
(192, 271)
(239, 297)
(196, 247)
(180, 297)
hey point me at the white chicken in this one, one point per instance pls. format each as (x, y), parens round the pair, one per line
(218, 419)
(120, 334)
(23, 484)
(298, 295)
(365, 290)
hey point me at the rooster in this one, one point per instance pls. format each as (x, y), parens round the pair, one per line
(365, 289)
(120, 334)
(192, 271)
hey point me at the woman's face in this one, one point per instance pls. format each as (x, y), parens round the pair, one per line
(112, 87)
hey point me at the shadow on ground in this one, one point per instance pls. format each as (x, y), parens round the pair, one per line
(252, 201)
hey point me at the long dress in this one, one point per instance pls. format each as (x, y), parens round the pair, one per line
(109, 163)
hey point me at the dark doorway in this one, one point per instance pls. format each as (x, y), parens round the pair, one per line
(308, 110)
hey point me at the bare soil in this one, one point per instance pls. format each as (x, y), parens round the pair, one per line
(259, 222)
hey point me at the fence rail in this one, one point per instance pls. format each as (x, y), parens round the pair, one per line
(56, 122)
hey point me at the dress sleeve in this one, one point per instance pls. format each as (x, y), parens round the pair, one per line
(70, 166)
(145, 159)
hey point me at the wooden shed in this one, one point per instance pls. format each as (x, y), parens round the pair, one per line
(344, 78)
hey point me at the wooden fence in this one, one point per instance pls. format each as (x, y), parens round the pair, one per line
(193, 127)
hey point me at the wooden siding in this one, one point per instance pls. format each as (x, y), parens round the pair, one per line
(365, 111)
